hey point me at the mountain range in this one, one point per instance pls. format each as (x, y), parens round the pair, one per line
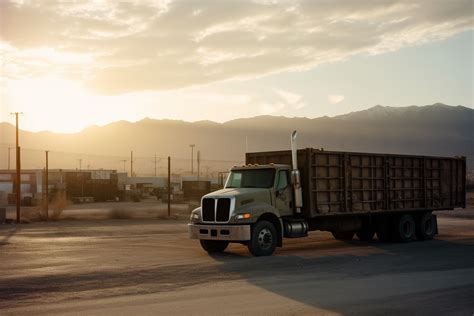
(436, 129)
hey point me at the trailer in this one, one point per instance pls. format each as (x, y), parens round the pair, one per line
(286, 194)
(348, 183)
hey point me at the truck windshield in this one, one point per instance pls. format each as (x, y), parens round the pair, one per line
(252, 178)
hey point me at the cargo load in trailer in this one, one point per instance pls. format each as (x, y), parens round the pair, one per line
(286, 194)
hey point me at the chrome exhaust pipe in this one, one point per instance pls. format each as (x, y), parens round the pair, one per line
(295, 174)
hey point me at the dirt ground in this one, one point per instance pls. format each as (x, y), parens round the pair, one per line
(149, 208)
(149, 266)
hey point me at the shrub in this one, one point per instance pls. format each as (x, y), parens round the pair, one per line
(118, 213)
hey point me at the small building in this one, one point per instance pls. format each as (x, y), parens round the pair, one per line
(29, 185)
(100, 184)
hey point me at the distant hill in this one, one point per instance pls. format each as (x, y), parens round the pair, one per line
(436, 129)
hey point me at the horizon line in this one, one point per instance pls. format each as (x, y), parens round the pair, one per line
(235, 119)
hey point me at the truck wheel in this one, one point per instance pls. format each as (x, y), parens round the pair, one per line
(404, 228)
(213, 246)
(344, 235)
(264, 239)
(426, 226)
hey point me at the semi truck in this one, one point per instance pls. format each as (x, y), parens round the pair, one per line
(286, 194)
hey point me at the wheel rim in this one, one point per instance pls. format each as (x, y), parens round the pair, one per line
(265, 239)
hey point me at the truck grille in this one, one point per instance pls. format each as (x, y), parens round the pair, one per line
(223, 210)
(215, 213)
(208, 210)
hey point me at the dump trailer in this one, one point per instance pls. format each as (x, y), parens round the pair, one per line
(286, 194)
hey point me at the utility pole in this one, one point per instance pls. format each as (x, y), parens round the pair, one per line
(169, 186)
(18, 169)
(192, 157)
(199, 163)
(124, 162)
(155, 165)
(9, 157)
(82, 177)
(131, 163)
(46, 174)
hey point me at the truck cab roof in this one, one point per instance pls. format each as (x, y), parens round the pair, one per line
(257, 166)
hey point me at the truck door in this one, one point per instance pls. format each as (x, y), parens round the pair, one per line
(283, 194)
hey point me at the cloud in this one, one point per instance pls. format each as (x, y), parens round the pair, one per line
(335, 98)
(292, 101)
(117, 47)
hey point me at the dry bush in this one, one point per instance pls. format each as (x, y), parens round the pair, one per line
(57, 206)
(38, 213)
(31, 214)
(119, 213)
(165, 217)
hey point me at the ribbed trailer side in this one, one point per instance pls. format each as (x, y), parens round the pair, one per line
(339, 183)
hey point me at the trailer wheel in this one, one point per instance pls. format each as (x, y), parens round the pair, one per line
(404, 228)
(213, 246)
(264, 239)
(426, 226)
(343, 235)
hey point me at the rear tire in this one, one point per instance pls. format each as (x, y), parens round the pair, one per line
(264, 239)
(404, 228)
(214, 246)
(426, 226)
(343, 235)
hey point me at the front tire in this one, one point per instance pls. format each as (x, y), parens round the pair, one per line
(214, 246)
(264, 239)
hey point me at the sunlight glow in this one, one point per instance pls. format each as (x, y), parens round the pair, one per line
(56, 104)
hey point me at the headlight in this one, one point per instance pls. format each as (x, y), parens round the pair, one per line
(194, 216)
(243, 216)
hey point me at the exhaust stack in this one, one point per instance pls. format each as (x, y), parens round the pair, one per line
(295, 175)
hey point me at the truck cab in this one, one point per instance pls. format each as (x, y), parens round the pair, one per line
(248, 210)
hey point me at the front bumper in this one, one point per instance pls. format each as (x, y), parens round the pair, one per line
(219, 232)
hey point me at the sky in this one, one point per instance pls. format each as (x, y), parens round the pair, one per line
(69, 65)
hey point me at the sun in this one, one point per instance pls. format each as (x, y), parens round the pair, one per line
(49, 103)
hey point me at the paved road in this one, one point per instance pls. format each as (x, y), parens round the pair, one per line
(150, 267)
